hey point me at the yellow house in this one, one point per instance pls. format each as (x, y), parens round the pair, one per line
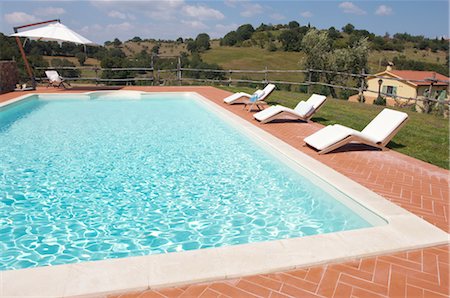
(405, 83)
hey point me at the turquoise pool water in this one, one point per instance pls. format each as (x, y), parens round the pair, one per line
(84, 180)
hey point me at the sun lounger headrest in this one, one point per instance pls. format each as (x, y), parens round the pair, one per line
(304, 108)
(384, 124)
(269, 88)
(316, 100)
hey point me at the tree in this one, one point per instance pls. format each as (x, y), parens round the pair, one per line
(316, 46)
(349, 28)
(291, 40)
(116, 42)
(333, 33)
(320, 55)
(293, 24)
(155, 49)
(81, 58)
(245, 32)
(260, 38)
(202, 42)
(191, 46)
(180, 40)
(264, 27)
(230, 39)
(136, 39)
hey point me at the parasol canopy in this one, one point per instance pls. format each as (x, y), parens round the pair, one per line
(55, 32)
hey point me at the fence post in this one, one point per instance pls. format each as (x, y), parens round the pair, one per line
(96, 76)
(153, 70)
(309, 80)
(230, 78)
(362, 86)
(179, 71)
(265, 76)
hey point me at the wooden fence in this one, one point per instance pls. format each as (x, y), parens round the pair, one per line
(162, 76)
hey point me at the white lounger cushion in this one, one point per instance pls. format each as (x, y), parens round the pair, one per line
(269, 112)
(236, 96)
(380, 128)
(384, 124)
(262, 94)
(273, 110)
(316, 100)
(330, 135)
(303, 108)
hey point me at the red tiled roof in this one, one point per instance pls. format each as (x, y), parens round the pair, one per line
(420, 75)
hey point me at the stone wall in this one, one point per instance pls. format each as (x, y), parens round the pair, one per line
(9, 76)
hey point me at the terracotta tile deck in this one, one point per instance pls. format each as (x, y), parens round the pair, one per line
(421, 188)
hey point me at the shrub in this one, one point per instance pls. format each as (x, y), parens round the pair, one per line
(345, 94)
(303, 89)
(380, 101)
(271, 47)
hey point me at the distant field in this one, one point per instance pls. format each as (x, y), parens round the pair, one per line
(166, 49)
(425, 136)
(419, 55)
(74, 60)
(254, 58)
(257, 58)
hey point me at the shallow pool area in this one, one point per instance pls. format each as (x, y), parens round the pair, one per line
(93, 178)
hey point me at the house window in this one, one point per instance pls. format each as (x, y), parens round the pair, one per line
(390, 90)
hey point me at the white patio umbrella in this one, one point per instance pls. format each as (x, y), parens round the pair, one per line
(50, 32)
(54, 32)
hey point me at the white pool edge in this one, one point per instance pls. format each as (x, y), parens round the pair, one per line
(403, 231)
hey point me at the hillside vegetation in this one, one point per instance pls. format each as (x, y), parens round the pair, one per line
(256, 58)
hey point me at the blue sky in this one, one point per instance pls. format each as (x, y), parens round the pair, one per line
(169, 19)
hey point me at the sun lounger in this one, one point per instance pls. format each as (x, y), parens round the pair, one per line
(54, 79)
(303, 111)
(241, 97)
(377, 133)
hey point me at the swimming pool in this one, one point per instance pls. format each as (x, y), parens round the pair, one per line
(106, 177)
(395, 229)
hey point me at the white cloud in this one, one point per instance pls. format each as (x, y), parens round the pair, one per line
(226, 28)
(158, 10)
(222, 29)
(351, 8)
(250, 10)
(384, 10)
(277, 16)
(117, 14)
(125, 26)
(50, 11)
(306, 14)
(194, 24)
(19, 17)
(230, 3)
(91, 28)
(202, 12)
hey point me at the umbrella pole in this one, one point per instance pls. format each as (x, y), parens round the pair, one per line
(27, 64)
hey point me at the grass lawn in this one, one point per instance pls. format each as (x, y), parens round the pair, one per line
(425, 136)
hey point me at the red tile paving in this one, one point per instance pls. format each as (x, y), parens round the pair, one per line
(421, 188)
